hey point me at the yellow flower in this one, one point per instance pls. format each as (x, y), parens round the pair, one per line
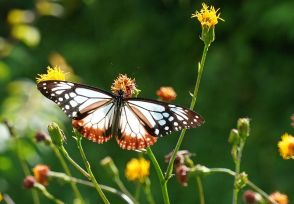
(279, 198)
(208, 16)
(1, 197)
(125, 85)
(286, 146)
(28, 34)
(137, 169)
(52, 74)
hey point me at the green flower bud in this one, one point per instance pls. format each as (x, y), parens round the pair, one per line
(242, 180)
(243, 126)
(234, 136)
(56, 134)
(110, 167)
(207, 35)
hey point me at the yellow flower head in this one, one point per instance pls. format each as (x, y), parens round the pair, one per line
(279, 198)
(208, 16)
(52, 74)
(41, 173)
(125, 84)
(286, 146)
(137, 169)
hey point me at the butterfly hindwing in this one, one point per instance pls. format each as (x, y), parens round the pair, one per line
(132, 132)
(91, 109)
(164, 118)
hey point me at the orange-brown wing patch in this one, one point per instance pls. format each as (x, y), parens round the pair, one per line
(92, 132)
(130, 142)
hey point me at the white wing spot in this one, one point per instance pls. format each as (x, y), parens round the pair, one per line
(185, 123)
(59, 92)
(162, 122)
(195, 120)
(66, 96)
(60, 99)
(73, 103)
(166, 127)
(67, 107)
(72, 94)
(156, 132)
(196, 116)
(44, 84)
(165, 114)
(171, 118)
(53, 94)
(44, 87)
(172, 106)
(176, 124)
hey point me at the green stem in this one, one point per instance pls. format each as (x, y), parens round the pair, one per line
(200, 190)
(48, 195)
(148, 192)
(66, 178)
(88, 167)
(249, 183)
(138, 191)
(192, 105)
(122, 187)
(237, 172)
(67, 171)
(78, 167)
(20, 156)
(160, 175)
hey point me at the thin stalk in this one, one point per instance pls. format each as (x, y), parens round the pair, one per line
(138, 191)
(148, 192)
(64, 177)
(192, 105)
(67, 171)
(248, 182)
(88, 167)
(78, 167)
(22, 161)
(48, 195)
(122, 187)
(200, 190)
(237, 172)
(160, 175)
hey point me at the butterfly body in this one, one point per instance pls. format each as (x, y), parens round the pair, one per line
(136, 123)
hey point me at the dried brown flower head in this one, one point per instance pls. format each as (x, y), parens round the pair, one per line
(41, 174)
(124, 85)
(29, 182)
(166, 93)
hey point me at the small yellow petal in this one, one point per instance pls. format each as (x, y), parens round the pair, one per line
(207, 16)
(137, 169)
(52, 74)
(286, 146)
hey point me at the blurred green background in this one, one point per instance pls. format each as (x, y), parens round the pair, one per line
(249, 73)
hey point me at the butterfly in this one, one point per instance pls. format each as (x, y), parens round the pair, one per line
(98, 115)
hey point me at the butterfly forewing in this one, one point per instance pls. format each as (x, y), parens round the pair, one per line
(163, 118)
(90, 108)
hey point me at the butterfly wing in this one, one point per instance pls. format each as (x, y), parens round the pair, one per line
(90, 109)
(142, 121)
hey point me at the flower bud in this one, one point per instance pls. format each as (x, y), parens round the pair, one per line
(42, 137)
(234, 136)
(41, 174)
(243, 126)
(166, 93)
(242, 180)
(29, 182)
(251, 197)
(110, 167)
(182, 174)
(56, 134)
(180, 159)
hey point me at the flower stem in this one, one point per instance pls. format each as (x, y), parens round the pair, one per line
(237, 172)
(122, 187)
(249, 183)
(138, 191)
(192, 105)
(67, 171)
(20, 155)
(78, 167)
(148, 192)
(88, 167)
(158, 170)
(200, 190)
(48, 195)
(64, 177)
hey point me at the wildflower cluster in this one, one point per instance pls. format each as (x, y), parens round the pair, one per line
(137, 169)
